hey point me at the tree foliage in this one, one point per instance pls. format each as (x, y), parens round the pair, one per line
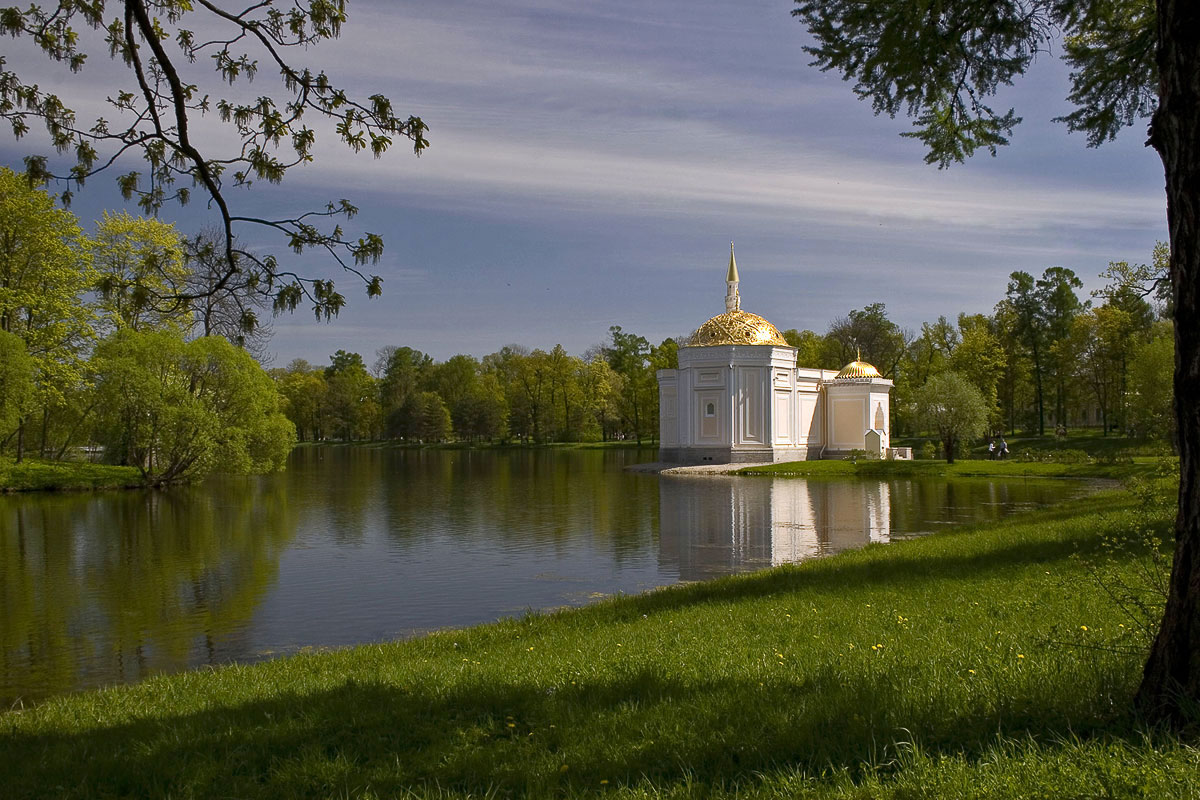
(168, 122)
(45, 269)
(940, 63)
(178, 409)
(139, 263)
(16, 383)
(952, 406)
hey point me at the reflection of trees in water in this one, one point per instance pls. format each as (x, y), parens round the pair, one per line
(542, 497)
(110, 587)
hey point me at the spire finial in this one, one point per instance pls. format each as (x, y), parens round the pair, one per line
(733, 301)
(858, 354)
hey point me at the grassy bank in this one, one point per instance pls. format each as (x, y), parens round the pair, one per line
(986, 662)
(33, 475)
(387, 444)
(962, 468)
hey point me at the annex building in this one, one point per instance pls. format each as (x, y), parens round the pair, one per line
(738, 396)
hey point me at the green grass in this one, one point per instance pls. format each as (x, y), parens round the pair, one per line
(956, 665)
(1086, 440)
(33, 475)
(626, 444)
(961, 468)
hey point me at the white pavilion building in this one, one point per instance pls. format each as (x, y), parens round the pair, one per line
(738, 396)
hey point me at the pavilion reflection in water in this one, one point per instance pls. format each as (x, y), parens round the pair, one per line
(715, 525)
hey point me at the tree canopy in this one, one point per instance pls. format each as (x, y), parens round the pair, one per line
(167, 121)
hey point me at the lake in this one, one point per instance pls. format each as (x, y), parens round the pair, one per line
(357, 544)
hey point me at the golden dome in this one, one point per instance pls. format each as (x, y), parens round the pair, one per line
(736, 327)
(859, 369)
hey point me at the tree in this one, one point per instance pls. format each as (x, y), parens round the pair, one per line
(138, 262)
(454, 382)
(44, 270)
(870, 334)
(178, 410)
(979, 357)
(236, 312)
(950, 405)
(350, 398)
(485, 413)
(432, 418)
(599, 387)
(1151, 398)
(940, 62)
(402, 372)
(629, 356)
(564, 391)
(810, 349)
(304, 389)
(160, 115)
(1058, 308)
(16, 383)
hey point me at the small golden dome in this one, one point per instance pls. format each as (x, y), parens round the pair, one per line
(736, 327)
(859, 369)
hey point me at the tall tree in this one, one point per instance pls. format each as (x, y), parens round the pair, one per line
(45, 268)
(1058, 307)
(401, 373)
(868, 332)
(350, 398)
(16, 383)
(1130, 60)
(304, 389)
(1024, 309)
(138, 262)
(979, 357)
(166, 121)
(629, 356)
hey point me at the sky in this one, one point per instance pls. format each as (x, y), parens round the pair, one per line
(589, 164)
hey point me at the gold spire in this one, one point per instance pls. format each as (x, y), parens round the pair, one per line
(733, 301)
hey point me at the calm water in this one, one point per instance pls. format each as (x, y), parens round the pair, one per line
(354, 545)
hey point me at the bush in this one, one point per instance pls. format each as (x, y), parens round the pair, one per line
(1070, 457)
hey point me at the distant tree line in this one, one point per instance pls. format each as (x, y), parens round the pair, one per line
(97, 356)
(1045, 356)
(514, 394)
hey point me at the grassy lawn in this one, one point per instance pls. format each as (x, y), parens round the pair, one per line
(33, 475)
(1089, 441)
(961, 468)
(986, 663)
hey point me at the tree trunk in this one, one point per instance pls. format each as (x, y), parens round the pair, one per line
(1171, 679)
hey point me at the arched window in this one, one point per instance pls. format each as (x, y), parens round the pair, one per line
(710, 410)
